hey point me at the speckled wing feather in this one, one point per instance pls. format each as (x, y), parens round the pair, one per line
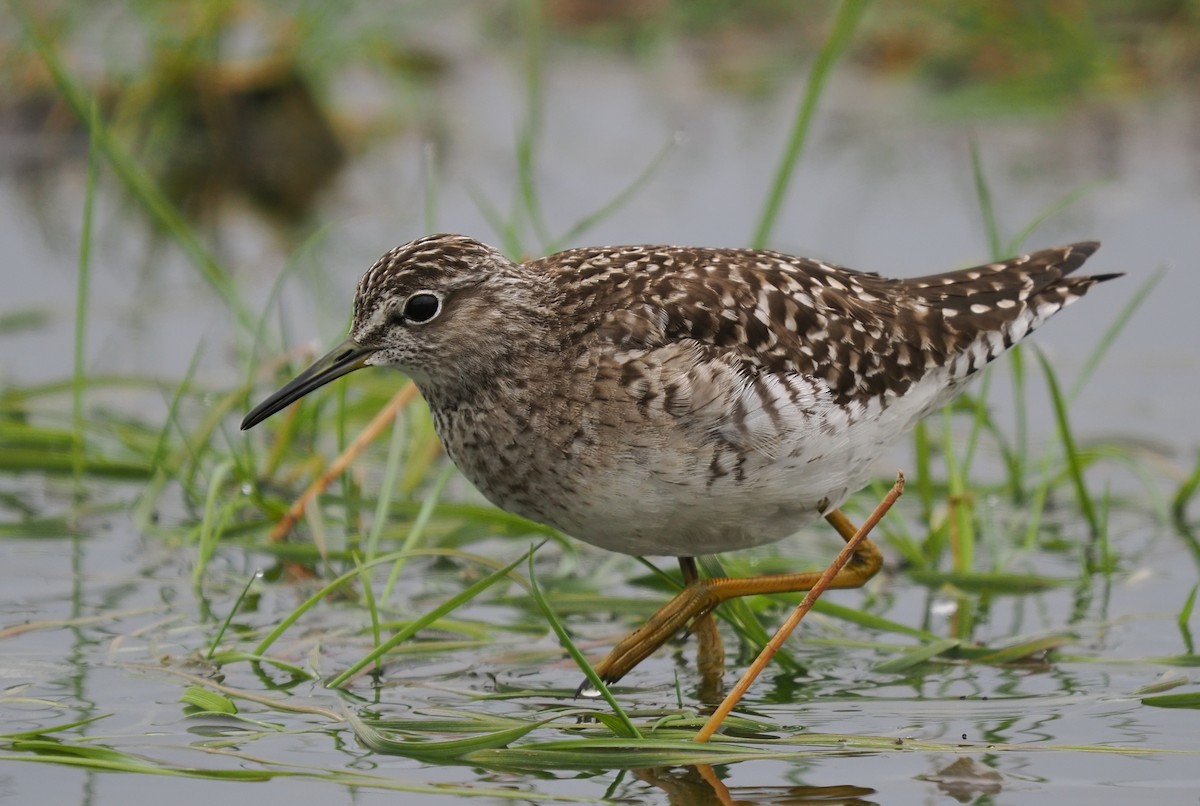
(863, 334)
(968, 317)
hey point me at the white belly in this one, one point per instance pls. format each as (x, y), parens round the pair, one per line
(664, 505)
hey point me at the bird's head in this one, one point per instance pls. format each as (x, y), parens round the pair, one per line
(445, 310)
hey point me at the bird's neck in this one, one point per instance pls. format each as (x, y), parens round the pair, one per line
(496, 376)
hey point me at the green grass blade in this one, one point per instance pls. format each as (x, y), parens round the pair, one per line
(1188, 699)
(916, 657)
(308, 604)
(439, 752)
(207, 701)
(1110, 333)
(1184, 619)
(372, 606)
(448, 606)
(42, 732)
(1017, 459)
(1074, 461)
(610, 754)
(628, 728)
(166, 469)
(1183, 498)
(430, 177)
(618, 201)
(387, 486)
(923, 450)
(1164, 682)
(82, 286)
(981, 422)
(845, 22)
(1035, 508)
(961, 518)
(214, 519)
(1017, 652)
(532, 23)
(870, 621)
(234, 656)
(18, 321)
(994, 582)
(510, 239)
(212, 647)
(252, 367)
(1015, 246)
(428, 505)
(983, 195)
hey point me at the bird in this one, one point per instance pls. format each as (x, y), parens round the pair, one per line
(681, 401)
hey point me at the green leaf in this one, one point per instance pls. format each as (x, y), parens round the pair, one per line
(208, 701)
(1189, 699)
(916, 656)
(438, 751)
(1025, 649)
(584, 754)
(989, 582)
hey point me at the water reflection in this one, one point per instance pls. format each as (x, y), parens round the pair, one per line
(701, 785)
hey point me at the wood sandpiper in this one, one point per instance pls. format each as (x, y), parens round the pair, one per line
(663, 400)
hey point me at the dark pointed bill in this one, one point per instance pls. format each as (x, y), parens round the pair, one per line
(341, 360)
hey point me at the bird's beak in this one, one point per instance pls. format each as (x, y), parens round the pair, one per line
(341, 360)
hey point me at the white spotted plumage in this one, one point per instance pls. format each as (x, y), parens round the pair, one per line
(679, 401)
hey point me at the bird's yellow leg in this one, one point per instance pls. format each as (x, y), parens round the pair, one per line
(700, 596)
(710, 653)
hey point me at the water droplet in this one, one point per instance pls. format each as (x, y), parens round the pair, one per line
(589, 691)
(944, 608)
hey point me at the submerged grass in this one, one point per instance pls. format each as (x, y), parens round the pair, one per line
(555, 738)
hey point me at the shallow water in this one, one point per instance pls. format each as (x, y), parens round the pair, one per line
(136, 638)
(884, 185)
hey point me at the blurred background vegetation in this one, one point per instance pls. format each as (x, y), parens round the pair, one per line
(268, 99)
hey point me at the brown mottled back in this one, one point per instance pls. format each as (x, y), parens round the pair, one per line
(864, 334)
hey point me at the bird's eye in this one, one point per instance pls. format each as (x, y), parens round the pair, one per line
(422, 306)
